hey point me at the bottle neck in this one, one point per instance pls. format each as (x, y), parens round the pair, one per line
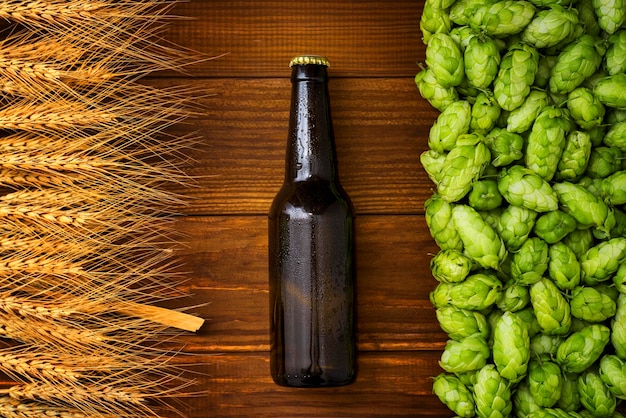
(311, 142)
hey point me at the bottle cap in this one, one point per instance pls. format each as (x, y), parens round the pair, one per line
(309, 59)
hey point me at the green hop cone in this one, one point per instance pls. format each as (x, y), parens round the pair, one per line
(553, 226)
(563, 266)
(544, 70)
(587, 17)
(524, 402)
(611, 91)
(485, 195)
(516, 75)
(462, 167)
(611, 14)
(546, 141)
(601, 261)
(550, 26)
(462, 35)
(452, 122)
(569, 402)
(530, 261)
(544, 382)
(485, 113)
(591, 305)
(445, 60)
(481, 60)
(432, 162)
(511, 347)
(469, 354)
(577, 61)
(521, 119)
(579, 241)
(492, 393)
(613, 373)
(618, 327)
(604, 161)
(584, 206)
(454, 394)
(480, 241)
(506, 17)
(491, 217)
(506, 147)
(614, 188)
(521, 186)
(615, 57)
(616, 135)
(582, 348)
(585, 108)
(515, 225)
(450, 266)
(477, 292)
(462, 10)
(575, 157)
(461, 323)
(619, 279)
(530, 319)
(438, 216)
(434, 19)
(437, 95)
(591, 184)
(542, 345)
(595, 396)
(550, 307)
(514, 297)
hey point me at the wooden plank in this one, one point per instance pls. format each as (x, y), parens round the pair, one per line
(228, 258)
(388, 385)
(360, 38)
(380, 129)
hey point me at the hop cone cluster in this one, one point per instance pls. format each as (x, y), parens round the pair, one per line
(529, 211)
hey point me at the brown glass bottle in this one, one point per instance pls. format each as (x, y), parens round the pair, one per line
(311, 250)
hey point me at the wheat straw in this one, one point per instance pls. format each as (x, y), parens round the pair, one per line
(86, 240)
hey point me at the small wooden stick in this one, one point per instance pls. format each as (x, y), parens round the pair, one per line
(163, 316)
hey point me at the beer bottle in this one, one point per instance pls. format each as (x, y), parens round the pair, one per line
(311, 250)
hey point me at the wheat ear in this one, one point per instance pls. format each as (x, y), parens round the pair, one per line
(12, 408)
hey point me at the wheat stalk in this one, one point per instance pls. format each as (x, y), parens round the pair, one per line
(86, 243)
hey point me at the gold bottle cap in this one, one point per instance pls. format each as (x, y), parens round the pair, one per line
(309, 59)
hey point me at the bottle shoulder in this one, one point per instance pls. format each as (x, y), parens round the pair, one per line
(313, 196)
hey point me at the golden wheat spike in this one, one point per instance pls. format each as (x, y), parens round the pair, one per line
(12, 408)
(129, 30)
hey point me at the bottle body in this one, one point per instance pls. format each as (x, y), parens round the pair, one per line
(311, 252)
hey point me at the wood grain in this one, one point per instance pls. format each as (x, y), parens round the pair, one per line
(388, 385)
(228, 256)
(239, 161)
(381, 127)
(361, 38)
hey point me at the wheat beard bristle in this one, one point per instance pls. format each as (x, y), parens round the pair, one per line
(86, 238)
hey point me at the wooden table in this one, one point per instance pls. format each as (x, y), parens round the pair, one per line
(381, 127)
